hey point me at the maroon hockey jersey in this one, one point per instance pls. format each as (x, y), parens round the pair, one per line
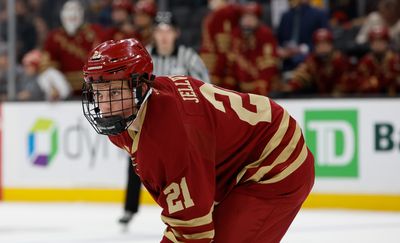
(192, 142)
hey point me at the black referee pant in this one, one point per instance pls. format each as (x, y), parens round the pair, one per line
(132, 190)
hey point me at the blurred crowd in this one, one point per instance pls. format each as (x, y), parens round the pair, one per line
(277, 48)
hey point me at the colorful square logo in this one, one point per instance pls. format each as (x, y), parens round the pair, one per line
(43, 129)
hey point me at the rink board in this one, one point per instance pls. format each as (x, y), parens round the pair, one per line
(49, 152)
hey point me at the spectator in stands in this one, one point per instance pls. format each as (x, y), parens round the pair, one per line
(30, 83)
(379, 70)
(29, 88)
(325, 70)
(25, 90)
(388, 15)
(52, 83)
(169, 58)
(216, 40)
(66, 48)
(26, 36)
(254, 62)
(101, 12)
(295, 32)
(38, 15)
(123, 27)
(143, 20)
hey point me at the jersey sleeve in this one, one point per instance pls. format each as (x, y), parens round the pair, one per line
(187, 200)
(185, 184)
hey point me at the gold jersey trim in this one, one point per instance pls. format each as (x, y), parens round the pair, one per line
(203, 235)
(204, 220)
(283, 156)
(140, 116)
(290, 169)
(210, 60)
(196, 236)
(271, 145)
(170, 236)
(244, 64)
(70, 47)
(250, 86)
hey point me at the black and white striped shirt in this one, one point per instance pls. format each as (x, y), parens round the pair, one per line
(183, 61)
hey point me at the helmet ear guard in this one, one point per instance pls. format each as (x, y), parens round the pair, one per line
(144, 78)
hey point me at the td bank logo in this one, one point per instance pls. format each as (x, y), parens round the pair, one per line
(332, 136)
(42, 142)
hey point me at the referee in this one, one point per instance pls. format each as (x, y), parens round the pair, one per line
(170, 58)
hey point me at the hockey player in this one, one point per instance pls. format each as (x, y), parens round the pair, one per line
(325, 70)
(216, 40)
(379, 70)
(143, 20)
(66, 48)
(122, 23)
(254, 56)
(224, 166)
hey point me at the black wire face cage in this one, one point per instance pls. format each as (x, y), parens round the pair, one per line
(110, 106)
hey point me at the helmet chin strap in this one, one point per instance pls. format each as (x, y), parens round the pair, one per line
(111, 125)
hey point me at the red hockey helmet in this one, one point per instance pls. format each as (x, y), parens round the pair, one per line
(112, 91)
(147, 7)
(126, 5)
(321, 35)
(378, 32)
(252, 8)
(117, 60)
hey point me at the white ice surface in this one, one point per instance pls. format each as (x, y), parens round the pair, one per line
(97, 223)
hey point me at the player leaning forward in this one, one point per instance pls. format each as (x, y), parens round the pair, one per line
(224, 166)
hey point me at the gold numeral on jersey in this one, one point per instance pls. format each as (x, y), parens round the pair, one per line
(262, 114)
(173, 191)
(186, 195)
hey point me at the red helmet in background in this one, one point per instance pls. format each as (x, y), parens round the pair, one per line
(117, 60)
(321, 35)
(147, 7)
(126, 5)
(252, 8)
(379, 32)
(123, 62)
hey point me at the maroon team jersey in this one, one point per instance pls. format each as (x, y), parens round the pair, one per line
(379, 76)
(193, 142)
(69, 53)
